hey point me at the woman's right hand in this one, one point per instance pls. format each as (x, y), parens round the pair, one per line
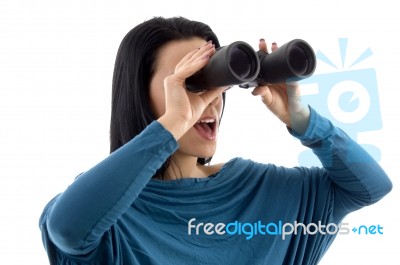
(182, 107)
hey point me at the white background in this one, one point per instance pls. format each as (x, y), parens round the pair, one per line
(56, 63)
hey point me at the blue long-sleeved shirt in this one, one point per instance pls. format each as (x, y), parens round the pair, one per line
(115, 213)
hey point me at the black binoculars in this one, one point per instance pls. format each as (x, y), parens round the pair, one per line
(239, 64)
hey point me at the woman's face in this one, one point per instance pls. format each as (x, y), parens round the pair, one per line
(201, 139)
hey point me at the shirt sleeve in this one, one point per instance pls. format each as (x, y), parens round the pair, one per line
(97, 198)
(358, 179)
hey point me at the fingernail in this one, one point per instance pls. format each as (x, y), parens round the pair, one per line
(208, 42)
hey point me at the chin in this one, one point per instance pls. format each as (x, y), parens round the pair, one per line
(209, 153)
(193, 145)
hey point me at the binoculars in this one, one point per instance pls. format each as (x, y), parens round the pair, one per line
(239, 64)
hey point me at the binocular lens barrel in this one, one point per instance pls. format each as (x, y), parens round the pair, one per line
(293, 61)
(239, 64)
(231, 65)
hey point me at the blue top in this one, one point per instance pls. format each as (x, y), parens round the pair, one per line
(115, 213)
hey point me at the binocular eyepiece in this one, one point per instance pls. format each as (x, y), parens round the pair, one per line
(239, 64)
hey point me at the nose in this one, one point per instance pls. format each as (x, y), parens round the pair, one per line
(216, 100)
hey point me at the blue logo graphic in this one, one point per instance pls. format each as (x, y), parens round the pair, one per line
(349, 98)
(368, 230)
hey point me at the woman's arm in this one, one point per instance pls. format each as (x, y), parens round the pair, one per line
(359, 180)
(98, 197)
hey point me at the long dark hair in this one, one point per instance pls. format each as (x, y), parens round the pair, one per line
(133, 70)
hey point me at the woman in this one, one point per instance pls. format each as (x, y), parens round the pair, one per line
(154, 199)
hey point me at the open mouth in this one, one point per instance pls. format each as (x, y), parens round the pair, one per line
(207, 128)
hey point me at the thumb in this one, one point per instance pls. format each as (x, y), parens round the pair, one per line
(264, 92)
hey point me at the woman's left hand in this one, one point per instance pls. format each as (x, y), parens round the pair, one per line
(284, 101)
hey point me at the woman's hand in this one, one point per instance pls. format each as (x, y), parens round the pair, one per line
(182, 107)
(284, 100)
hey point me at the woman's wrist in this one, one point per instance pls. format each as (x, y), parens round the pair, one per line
(300, 120)
(174, 125)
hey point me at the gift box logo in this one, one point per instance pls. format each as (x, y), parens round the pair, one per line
(349, 98)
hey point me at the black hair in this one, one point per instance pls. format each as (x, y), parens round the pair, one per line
(134, 67)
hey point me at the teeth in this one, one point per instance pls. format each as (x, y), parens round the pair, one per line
(206, 121)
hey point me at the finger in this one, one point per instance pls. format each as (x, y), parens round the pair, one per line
(260, 90)
(194, 60)
(198, 53)
(274, 46)
(265, 93)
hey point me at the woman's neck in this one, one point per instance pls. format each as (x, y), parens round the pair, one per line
(183, 166)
